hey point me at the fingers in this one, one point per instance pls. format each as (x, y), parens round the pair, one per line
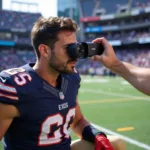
(103, 41)
(99, 40)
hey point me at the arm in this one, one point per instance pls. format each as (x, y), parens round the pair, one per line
(83, 129)
(79, 122)
(7, 113)
(138, 77)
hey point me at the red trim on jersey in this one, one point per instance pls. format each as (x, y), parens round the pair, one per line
(7, 88)
(9, 96)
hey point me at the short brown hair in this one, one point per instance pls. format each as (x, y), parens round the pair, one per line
(45, 31)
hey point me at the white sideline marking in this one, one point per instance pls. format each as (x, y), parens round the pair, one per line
(94, 80)
(125, 82)
(125, 138)
(114, 94)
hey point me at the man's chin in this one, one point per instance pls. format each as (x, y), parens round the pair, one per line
(69, 71)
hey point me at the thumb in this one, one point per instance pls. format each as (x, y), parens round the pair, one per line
(96, 58)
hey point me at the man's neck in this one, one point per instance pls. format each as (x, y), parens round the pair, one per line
(48, 74)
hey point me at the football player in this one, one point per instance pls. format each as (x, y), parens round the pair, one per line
(38, 101)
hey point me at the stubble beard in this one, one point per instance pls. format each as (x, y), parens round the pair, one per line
(57, 67)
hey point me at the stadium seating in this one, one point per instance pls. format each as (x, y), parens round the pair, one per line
(110, 6)
(15, 58)
(137, 57)
(21, 21)
(10, 20)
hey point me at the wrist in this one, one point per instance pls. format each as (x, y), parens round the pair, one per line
(117, 66)
(90, 133)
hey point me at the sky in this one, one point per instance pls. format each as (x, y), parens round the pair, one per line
(45, 7)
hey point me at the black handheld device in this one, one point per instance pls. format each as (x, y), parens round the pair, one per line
(84, 49)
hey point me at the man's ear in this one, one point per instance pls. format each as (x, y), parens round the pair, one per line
(44, 50)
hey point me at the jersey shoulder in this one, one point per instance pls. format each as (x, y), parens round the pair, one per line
(15, 76)
(17, 81)
(74, 78)
(8, 90)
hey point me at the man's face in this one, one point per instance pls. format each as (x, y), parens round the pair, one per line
(59, 59)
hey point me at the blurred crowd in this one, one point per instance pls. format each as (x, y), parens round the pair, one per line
(111, 6)
(14, 58)
(137, 57)
(17, 20)
(22, 22)
(123, 36)
(11, 58)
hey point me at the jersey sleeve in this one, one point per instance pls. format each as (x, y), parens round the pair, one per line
(11, 94)
(8, 92)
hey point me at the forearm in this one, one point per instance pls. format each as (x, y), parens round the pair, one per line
(79, 126)
(86, 131)
(138, 77)
(4, 125)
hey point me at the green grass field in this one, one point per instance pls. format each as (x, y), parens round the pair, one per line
(1, 147)
(112, 103)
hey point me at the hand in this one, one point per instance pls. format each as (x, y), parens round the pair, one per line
(108, 58)
(102, 143)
